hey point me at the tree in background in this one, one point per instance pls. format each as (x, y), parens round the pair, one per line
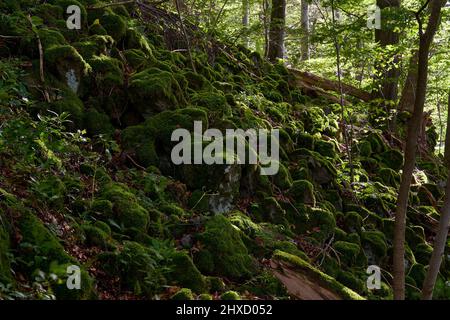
(388, 38)
(277, 30)
(305, 30)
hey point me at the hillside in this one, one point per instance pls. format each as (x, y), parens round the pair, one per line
(87, 176)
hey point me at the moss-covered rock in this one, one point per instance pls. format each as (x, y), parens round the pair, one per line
(348, 251)
(223, 251)
(40, 249)
(230, 295)
(302, 191)
(374, 244)
(186, 274)
(126, 208)
(183, 294)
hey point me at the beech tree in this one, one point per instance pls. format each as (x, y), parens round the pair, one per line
(305, 30)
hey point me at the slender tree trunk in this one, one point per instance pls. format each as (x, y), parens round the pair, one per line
(425, 40)
(441, 238)
(305, 30)
(277, 29)
(447, 136)
(409, 89)
(245, 19)
(265, 4)
(387, 37)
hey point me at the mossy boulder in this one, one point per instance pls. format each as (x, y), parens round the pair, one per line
(302, 192)
(230, 295)
(321, 223)
(183, 294)
(374, 244)
(186, 274)
(115, 25)
(126, 208)
(224, 252)
(392, 159)
(154, 90)
(97, 122)
(348, 251)
(41, 250)
(422, 253)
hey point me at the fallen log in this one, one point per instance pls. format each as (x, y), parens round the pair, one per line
(311, 81)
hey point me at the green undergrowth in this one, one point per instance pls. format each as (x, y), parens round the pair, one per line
(87, 178)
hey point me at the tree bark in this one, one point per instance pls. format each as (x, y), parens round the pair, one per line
(409, 89)
(305, 30)
(441, 237)
(447, 136)
(387, 37)
(245, 19)
(277, 30)
(425, 40)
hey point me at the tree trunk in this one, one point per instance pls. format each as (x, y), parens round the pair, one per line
(277, 26)
(447, 137)
(425, 40)
(387, 37)
(305, 30)
(265, 5)
(245, 19)
(409, 89)
(441, 237)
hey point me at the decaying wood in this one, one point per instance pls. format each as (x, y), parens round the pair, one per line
(313, 82)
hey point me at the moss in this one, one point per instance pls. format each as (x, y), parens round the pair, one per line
(134, 39)
(302, 192)
(377, 143)
(283, 178)
(154, 90)
(5, 263)
(224, 252)
(389, 177)
(136, 58)
(51, 190)
(392, 159)
(321, 223)
(115, 25)
(350, 280)
(183, 294)
(102, 207)
(97, 123)
(348, 251)
(107, 71)
(94, 45)
(95, 236)
(139, 269)
(140, 141)
(364, 148)
(415, 235)
(205, 296)
(64, 58)
(418, 273)
(214, 101)
(422, 253)
(325, 148)
(199, 201)
(126, 208)
(374, 244)
(172, 209)
(230, 295)
(40, 249)
(317, 275)
(186, 274)
(353, 222)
